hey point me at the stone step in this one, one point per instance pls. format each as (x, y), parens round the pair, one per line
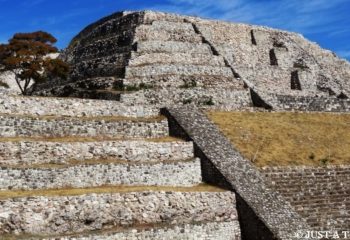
(81, 210)
(172, 26)
(109, 66)
(103, 47)
(107, 28)
(175, 58)
(210, 230)
(152, 16)
(27, 151)
(152, 33)
(40, 106)
(51, 126)
(218, 98)
(87, 83)
(172, 47)
(74, 91)
(185, 70)
(176, 173)
(183, 81)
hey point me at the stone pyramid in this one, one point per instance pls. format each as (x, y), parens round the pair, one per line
(123, 168)
(158, 58)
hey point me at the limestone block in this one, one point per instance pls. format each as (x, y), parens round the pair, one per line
(172, 47)
(74, 214)
(25, 153)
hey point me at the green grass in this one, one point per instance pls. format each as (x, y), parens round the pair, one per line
(287, 138)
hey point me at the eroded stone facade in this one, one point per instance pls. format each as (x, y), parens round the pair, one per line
(156, 54)
(52, 215)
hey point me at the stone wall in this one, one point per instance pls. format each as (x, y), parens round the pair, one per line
(45, 152)
(257, 204)
(319, 194)
(71, 107)
(170, 53)
(180, 173)
(204, 231)
(307, 103)
(103, 49)
(267, 58)
(218, 98)
(26, 126)
(52, 215)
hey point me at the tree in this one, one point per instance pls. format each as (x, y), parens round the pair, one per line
(27, 57)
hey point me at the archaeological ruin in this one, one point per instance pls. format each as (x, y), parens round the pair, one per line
(123, 149)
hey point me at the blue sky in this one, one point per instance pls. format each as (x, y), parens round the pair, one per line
(326, 22)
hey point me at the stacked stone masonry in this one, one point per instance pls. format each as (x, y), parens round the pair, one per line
(180, 173)
(170, 52)
(29, 126)
(28, 152)
(37, 106)
(320, 194)
(106, 211)
(90, 169)
(307, 103)
(264, 213)
(143, 61)
(208, 231)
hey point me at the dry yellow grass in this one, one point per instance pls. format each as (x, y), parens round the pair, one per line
(105, 189)
(287, 138)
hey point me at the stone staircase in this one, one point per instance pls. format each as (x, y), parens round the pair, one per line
(88, 169)
(165, 59)
(169, 63)
(318, 194)
(173, 58)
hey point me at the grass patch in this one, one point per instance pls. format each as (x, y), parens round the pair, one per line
(287, 138)
(106, 189)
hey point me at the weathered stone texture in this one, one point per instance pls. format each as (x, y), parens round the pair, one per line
(103, 49)
(13, 126)
(26, 152)
(307, 103)
(320, 194)
(167, 50)
(249, 184)
(52, 215)
(177, 58)
(72, 107)
(180, 173)
(205, 97)
(205, 231)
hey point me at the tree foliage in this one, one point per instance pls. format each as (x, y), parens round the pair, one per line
(26, 55)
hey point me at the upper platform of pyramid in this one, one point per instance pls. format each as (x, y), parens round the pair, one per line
(152, 56)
